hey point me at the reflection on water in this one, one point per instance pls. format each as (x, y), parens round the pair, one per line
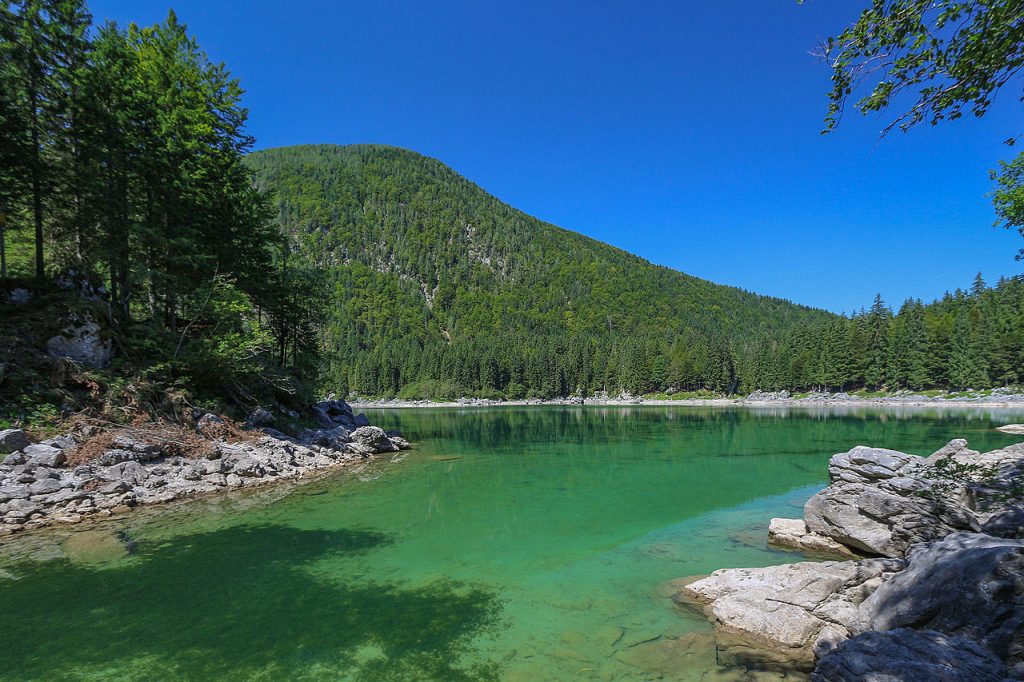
(513, 544)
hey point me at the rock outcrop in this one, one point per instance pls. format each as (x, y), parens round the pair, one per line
(37, 487)
(906, 655)
(792, 612)
(82, 341)
(947, 602)
(794, 534)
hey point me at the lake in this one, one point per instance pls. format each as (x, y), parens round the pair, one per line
(510, 544)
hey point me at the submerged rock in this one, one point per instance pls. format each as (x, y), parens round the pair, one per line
(794, 534)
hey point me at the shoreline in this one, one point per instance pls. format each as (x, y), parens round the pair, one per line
(1017, 403)
(78, 476)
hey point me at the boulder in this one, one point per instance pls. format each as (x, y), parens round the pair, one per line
(334, 438)
(875, 503)
(1006, 523)
(14, 459)
(905, 655)
(1016, 429)
(44, 486)
(208, 424)
(129, 471)
(47, 455)
(260, 417)
(330, 413)
(13, 492)
(361, 420)
(244, 466)
(794, 534)
(12, 440)
(373, 438)
(793, 611)
(81, 341)
(966, 585)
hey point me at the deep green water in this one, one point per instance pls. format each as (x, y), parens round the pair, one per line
(512, 544)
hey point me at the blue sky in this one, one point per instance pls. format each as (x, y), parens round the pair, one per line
(688, 133)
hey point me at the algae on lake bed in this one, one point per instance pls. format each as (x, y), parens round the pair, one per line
(539, 553)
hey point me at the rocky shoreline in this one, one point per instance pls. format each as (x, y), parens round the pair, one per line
(47, 483)
(998, 398)
(937, 595)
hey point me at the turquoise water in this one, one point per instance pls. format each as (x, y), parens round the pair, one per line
(511, 544)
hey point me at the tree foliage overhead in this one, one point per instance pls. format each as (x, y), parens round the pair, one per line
(942, 57)
(932, 61)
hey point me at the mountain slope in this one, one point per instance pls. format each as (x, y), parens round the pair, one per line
(440, 287)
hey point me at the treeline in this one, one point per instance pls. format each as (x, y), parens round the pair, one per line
(121, 168)
(972, 339)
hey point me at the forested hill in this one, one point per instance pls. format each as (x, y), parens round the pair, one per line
(442, 289)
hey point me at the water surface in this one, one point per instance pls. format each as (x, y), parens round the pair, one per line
(511, 544)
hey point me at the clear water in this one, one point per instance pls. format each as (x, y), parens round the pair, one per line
(511, 544)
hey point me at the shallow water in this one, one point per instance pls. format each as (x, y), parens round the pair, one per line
(512, 544)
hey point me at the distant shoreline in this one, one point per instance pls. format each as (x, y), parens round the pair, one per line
(1015, 401)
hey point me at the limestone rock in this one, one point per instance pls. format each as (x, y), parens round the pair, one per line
(47, 455)
(81, 341)
(208, 424)
(905, 655)
(12, 440)
(374, 438)
(794, 534)
(874, 503)
(793, 610)
(14, 459)
(1016, 429)
(966, 585)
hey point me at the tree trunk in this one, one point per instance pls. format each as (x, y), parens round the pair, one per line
(37, 189)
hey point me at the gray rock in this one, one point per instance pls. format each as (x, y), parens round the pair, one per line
(20, 296)
(793, 534)
(44, 487)
(374, 438)
(244, 466)
(47, 455)
(793, 611)
(123, 441)
(129, 471)
(331, 413)
(209, 424)
(1008, 523)
(1016, 429)
(260, 417)
(13, 492)
(361, 420)
(967, 585)
(114, 488)
(82, 341)
(12, 440)
(905, 655)
(117, 455)
(874, 503)
(957, 446)
(400, 443)
(15, 458)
